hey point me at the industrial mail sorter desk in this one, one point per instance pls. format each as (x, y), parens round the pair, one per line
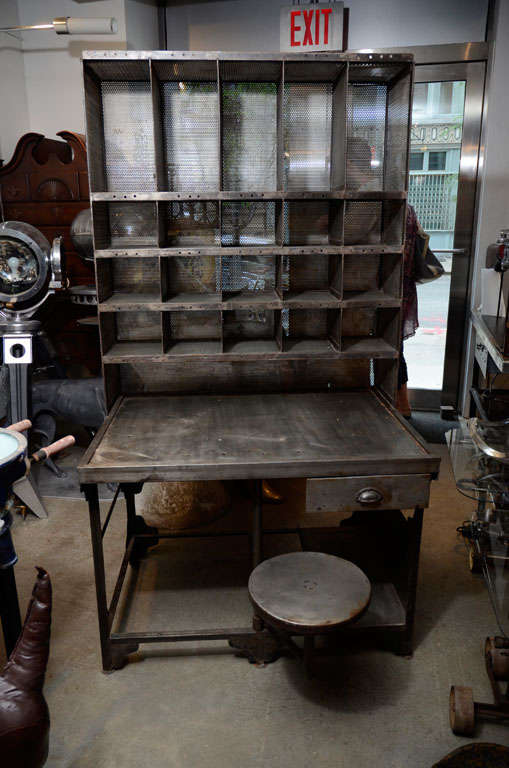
(357, 450)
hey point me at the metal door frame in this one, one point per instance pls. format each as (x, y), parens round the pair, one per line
(434, 63)
(473, 73)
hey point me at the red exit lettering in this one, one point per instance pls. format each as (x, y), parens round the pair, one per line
(319, 13)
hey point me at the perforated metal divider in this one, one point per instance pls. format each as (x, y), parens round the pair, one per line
(138, 326)
(186, 100)
(313, 125)
(129, 225)
(191, 276)
(135, 276)
(366, 136)
(248, 324)
(195, 326)
(306, 273)
(312, 222)
(190, 222)
(377, 127)
(363, 222)
(191, 121)
(249, 96)
(249, 275)
(307, 111)
(311, 330)
(132, 225)
(361, 274)
(129, 153)
(248, 223)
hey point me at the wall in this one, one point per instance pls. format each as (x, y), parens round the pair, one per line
(13, 97)
(51, 98)
(244, 25)
(52, 62)
(142, 25)
(493, 193)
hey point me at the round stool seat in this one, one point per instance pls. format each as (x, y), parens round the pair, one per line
(308, 592)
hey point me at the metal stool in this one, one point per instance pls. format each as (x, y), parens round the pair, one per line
(309, 594)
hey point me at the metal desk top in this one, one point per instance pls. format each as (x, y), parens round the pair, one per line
(197, 437)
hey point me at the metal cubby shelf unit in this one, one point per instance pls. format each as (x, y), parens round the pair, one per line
(247, 207)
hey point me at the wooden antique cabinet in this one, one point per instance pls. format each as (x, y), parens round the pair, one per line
(248, 215)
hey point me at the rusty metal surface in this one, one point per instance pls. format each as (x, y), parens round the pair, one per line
(238, 436)
(309, 592)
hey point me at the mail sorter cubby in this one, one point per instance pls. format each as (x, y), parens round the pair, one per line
(247, 209)
(248, 217)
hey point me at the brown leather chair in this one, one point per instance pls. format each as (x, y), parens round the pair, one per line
(24, 715)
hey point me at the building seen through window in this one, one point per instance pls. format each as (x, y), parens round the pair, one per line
(437, 125)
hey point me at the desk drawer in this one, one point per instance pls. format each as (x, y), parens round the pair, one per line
(346, 494)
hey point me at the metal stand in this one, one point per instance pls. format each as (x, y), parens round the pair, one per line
(18, 356)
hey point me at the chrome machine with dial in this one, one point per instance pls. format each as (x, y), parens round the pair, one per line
(30, 271)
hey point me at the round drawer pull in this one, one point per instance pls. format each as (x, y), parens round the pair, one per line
(369, 496)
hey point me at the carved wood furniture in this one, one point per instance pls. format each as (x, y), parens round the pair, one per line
(46, 184)
(248, 215)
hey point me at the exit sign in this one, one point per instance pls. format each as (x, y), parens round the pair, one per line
(314, 27)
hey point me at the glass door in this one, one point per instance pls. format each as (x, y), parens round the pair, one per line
(445, 131)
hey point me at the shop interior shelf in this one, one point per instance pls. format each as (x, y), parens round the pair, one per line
(367, 346)
(267, 299)
(247, 208)
(131, 301)
(127, 350)
(375, 298)
(193, 347)
(259, 347)
(311, 298)
(311, 347)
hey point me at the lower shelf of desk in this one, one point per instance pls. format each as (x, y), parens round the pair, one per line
(385, 609)
(385, 612)
(152, 592)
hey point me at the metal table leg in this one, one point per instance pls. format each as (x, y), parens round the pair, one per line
(92, 497)
(147, 536)
(406, 641)
(257, 534)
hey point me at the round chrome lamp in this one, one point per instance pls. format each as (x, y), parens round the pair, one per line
(30, 269)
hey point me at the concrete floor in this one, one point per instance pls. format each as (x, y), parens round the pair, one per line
(167, 708)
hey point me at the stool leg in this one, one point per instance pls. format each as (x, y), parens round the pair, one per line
(257, 524)
(258, 623)
(309, 647)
